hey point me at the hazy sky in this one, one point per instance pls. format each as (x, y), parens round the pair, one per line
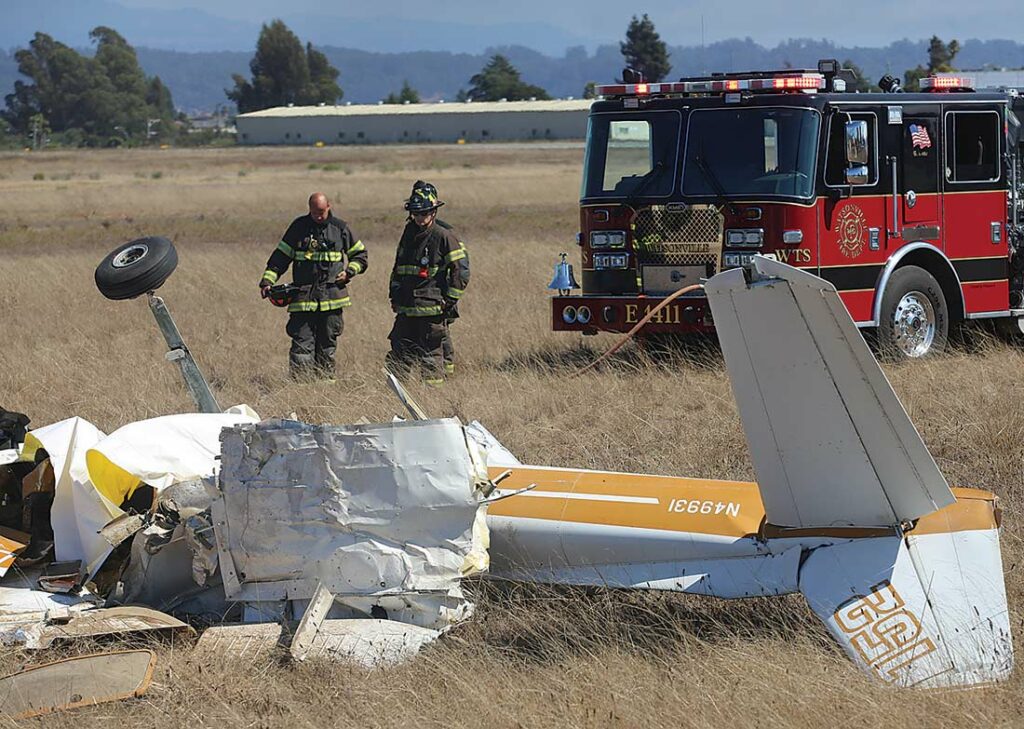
(867, 22)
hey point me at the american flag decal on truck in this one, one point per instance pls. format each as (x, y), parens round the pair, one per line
(919, 136)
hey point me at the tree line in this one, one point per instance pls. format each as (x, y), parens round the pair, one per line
(106, 98)
(99, 100)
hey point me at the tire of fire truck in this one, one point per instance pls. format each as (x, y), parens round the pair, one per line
(135, 268)
(914, 319)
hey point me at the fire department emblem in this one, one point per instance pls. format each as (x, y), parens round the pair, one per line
(851, 231)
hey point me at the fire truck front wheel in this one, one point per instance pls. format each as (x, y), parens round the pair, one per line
(914, 318)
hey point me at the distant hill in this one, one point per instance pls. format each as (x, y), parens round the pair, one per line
(191, 29)
(198, 80)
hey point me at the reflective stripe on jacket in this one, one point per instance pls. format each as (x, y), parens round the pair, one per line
(431, 271)
(317, 253)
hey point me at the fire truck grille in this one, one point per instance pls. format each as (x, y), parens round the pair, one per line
(688, 237)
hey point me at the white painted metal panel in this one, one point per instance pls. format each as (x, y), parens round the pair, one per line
(761, 575)
(366, 510)
(907, 627)
(829, 439)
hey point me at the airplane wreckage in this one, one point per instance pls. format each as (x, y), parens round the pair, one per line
(363, 532)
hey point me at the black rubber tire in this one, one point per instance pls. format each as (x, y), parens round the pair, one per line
(908, 281)
(136, 267)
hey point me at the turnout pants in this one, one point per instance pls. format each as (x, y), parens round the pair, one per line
(421, 341)
(314, 341)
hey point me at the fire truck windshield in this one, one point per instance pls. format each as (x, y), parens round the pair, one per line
(631, 155)
(751, 151)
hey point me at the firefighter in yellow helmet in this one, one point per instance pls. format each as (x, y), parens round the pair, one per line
(430, 275)
(325, 256)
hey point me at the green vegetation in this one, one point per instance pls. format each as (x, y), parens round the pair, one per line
(940, 60)
(104, 100)
(644, 50)
(860, 81)
(408, 95)
(499, 79)
(283, 73)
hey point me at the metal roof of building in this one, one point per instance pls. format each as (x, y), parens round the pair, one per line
(457, 107)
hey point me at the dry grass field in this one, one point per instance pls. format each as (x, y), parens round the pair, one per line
(534, 656)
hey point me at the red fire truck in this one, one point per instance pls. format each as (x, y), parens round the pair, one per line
(909, 203)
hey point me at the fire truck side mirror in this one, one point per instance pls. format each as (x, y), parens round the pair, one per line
(857, 142)
(857, 175)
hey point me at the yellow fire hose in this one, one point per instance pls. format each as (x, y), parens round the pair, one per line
(640, 325)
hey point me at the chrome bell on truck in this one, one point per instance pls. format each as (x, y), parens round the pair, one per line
(564, 280)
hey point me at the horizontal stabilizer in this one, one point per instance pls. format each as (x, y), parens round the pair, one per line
(830, 442)
(928, 610)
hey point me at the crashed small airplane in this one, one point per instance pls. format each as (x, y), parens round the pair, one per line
(849, 507)
(380, 522)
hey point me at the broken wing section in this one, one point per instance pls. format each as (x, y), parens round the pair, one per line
(830, 441)
(926, 610)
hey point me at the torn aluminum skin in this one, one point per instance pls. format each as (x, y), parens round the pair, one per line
(386, 516)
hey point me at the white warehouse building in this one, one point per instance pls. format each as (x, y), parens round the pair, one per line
(478, 121)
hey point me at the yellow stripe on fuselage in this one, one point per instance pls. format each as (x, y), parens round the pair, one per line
(732, 508)
(700, 506)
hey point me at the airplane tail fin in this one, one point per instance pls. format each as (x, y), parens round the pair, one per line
(905, 574)
(830, 441)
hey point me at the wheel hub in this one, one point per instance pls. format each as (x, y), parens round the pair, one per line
(914, 324)
(131, 254)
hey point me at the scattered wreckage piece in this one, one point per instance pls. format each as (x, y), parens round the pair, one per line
(76, 682)
(415, 411)
(241, 641)
(121, 528)
(24, 608)
(12, 543)
(312, 618)
(63, 626)
(61, 578)
(366, 642)
(369, 642)
(850, 508)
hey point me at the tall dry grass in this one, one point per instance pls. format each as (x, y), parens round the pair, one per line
(534, 656)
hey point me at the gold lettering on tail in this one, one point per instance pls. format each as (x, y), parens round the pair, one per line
(883, 631)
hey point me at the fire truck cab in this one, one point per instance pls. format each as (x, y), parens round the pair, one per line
(909, 203)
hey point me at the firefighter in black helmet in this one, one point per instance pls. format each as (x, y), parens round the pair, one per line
(430, 275)
(325, 256)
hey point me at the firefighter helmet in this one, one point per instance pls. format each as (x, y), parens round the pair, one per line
(423, 198)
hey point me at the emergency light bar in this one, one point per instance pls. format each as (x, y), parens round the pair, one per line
(790, 82)
(942, 83)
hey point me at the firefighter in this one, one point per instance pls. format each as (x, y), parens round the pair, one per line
(430, 276)
(325, 256)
